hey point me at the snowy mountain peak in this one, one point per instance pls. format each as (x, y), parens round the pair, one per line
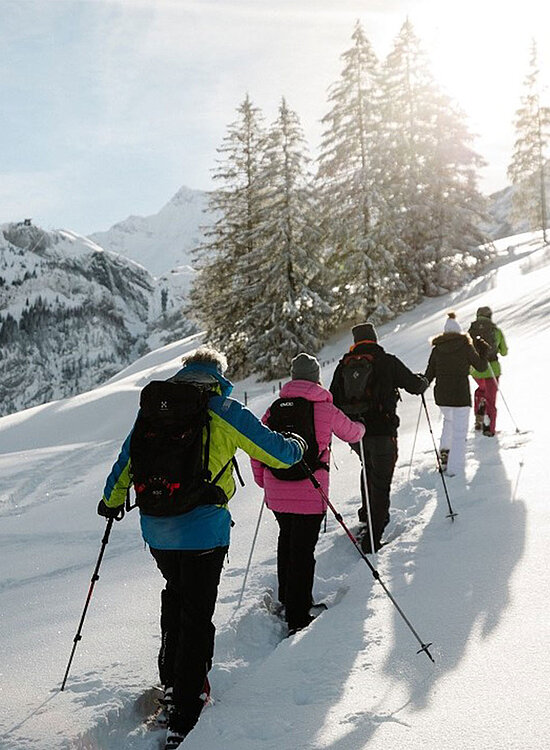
(164, 240)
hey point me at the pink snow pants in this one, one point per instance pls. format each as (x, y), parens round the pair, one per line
(487, 390)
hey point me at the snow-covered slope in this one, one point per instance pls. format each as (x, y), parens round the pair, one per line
(477, 587)
(163, 241)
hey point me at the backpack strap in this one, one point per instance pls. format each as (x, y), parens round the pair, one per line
(237, 471)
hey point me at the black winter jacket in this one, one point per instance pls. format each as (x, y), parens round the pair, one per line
(389, 375)
(449, 363)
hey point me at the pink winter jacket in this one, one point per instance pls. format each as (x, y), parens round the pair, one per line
(301, 496)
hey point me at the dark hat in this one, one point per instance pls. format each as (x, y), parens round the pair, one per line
(364, 332)
(305, 367)
(484, 312)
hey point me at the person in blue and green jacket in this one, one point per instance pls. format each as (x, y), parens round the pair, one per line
(190, 548)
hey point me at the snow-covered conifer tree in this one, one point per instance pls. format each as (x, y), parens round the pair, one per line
(429, 178)
(290, 310)
(359, 237)
(221, 295)
(527, 168)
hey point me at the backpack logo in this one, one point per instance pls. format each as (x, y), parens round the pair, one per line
(163, 405)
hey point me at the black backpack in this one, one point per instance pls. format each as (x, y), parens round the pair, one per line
(168, 462)
(486, 329)
(359, 393)
(295, 414)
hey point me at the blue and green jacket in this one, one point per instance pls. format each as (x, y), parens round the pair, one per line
(232, 426)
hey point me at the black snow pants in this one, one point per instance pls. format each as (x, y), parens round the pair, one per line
(298, 534)
(380, 458)
(187, 608)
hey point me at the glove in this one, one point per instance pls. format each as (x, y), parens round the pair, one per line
(298, 438)
(425, 381)
(107, 512)
(482, 347)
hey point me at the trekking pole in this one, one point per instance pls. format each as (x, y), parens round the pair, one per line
(414, 442)
(376, 575)
(95, 577)
(250, 555)
(367, 496)
(502, 397)
(451, 514)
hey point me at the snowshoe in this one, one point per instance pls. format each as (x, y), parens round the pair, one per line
(316, 609)
(173, 740)
(166, 707)
(273, 606)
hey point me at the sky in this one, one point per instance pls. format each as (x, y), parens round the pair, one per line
(475, 587)
(108, 107)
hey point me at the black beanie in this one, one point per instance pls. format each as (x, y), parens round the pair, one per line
(364, 332)
(484, 312)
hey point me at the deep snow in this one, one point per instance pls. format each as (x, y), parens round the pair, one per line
(477, 588)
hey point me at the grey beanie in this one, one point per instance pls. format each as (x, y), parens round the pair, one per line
(305, 367)
(364, 332)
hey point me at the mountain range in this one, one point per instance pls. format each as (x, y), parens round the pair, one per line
(72, 314)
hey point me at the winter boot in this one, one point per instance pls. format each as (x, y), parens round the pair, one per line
(295, 628)
(444, 458)
(366, 546)
(480, 413)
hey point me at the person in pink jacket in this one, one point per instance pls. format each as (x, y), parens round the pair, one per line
(298, 507)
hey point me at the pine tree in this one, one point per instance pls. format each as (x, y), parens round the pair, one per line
(527, 168)
(429, 178)
(290, 309)
(220, 297)
(350, 166)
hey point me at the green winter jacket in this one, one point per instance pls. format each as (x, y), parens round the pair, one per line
(494, 365)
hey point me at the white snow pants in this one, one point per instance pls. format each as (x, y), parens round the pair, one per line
(453, 436)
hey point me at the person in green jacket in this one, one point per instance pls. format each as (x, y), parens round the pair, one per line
(487, 380)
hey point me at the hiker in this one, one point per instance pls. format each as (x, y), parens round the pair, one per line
(365, 386)
(485, 395)
(306, 408)
(183, 500)
(450, 360)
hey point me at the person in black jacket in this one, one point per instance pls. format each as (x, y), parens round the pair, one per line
(365, 386)
(451, 357)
